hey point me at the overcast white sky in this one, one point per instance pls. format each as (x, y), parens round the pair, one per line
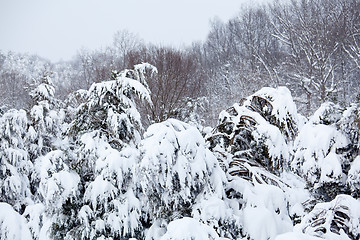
(56, 29)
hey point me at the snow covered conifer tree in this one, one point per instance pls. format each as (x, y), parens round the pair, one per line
(46, 118)
(105, 133)
(252, 142)
(110, 107)
(45, 90)
(49, 156)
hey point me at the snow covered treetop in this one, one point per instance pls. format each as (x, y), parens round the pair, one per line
(328, 113)
(110, 106)
(256, 133)
(138, 73)
(123, 86)
(44, 91)
(276, 105)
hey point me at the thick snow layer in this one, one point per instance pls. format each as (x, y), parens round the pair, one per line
(283, 106)
(212, 209)
(331, 170)
(35, 216)
(37, 112)
(275, 142)
(222, 215)
(268, 206)
(296, 236)
(296, 193)
(99, 191)
(157, 230)
(281, 99)
(268, 203)
(12, 224)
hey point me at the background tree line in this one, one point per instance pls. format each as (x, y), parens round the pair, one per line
(310, 46)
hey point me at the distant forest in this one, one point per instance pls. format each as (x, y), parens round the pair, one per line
(312, 47)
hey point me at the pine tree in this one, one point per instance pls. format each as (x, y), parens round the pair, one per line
(15, 164)
(105, 134)
(46, 118)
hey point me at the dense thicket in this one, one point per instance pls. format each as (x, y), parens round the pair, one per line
(311, 46)
(71, 170)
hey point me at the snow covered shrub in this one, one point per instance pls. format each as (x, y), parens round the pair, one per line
(58, 183)
(338, 219)
(37, 220)
(253, 144)
(57, 196)
(276, 105)
(15, 165)
(349, 124)
(176, 168)
(327, 114)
